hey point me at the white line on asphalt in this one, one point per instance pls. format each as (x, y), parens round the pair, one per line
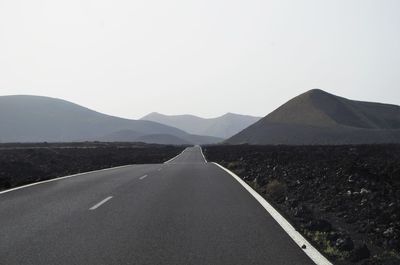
(101, 203)
(142, 177)
(201, 150)
(60, 178)
(166, 162)
(314, 254)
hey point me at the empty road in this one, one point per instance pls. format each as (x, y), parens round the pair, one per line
(184, 212)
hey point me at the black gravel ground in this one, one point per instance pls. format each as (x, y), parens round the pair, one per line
(345, 199)
(26, 163)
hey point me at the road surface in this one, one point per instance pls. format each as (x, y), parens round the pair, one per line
(184, 212)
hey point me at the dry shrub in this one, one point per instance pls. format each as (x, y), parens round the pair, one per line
(276, 190)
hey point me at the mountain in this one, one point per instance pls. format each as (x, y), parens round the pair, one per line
(39, 119)
(222, 127)
(158, 138)
(162, 139)
(121, 136)
(317, 117)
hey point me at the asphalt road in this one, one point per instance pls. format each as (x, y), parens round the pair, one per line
(184, 212)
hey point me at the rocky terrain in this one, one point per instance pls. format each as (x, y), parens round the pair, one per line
(344, 199)
(26, 163)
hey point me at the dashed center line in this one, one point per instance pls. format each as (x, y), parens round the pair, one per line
(142, 177)
(101, 203)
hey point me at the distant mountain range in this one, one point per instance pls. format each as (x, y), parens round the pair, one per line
(317, 117)
(222, 127)
(39, 119)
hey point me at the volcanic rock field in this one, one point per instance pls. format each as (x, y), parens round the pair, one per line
(344, 199)
(26, 163)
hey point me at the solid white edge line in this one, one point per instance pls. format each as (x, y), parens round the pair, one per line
(166, 162)
(311, 252)
(201, 150)
(142, 177)
(100, 203)
(60, 178)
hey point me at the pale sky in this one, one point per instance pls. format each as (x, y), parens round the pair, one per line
(204, 57)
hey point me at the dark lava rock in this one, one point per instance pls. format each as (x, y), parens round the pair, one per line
(389, 232)
(292, 203)
(350, 219)
(344, 244)
(332, 237)
(31, 162)
(302, 211)
(354, 188)
(392, 243)
(360, 253)
(319, 225)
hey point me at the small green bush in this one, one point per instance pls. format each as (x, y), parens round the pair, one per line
(321, 239)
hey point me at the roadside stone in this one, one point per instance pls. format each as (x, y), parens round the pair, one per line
(332, 237)
(389, 232)
(364, 191)
(360, 253)
(350, 179)
(319, 225)
(344, 244)
(302, 211)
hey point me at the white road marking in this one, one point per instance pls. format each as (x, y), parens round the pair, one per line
(60, 178)
(201, 150)
(166, 162)
(159, 169)
(313, 253)
(101, 203)
(142, 177)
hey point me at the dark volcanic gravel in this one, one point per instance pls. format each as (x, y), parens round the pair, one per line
(345, 199)
(26, 163)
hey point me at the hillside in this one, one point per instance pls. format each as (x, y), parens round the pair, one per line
(39, 119)
(317, 117)
(222, 127)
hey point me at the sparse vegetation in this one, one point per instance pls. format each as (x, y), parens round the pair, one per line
(327, 247)
(276, 190)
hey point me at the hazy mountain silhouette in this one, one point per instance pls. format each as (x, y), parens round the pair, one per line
(222, 127)
(162, 139)
(158, 138)
(317, 117)
(38, 119)
(121, 136)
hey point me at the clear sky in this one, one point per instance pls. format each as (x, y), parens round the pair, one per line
(208, 57)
